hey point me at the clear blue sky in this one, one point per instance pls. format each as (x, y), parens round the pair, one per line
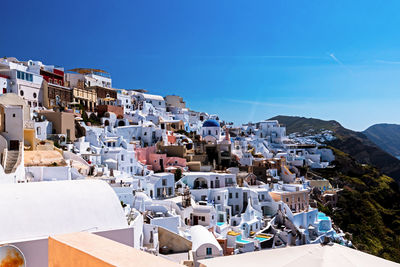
(245, 60)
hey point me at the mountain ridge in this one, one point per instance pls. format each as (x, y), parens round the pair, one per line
(356, 144)
(368, 206)
(386, 136)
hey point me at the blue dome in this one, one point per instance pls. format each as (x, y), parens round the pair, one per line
(211, 123)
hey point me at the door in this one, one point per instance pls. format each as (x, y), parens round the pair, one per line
(162, 165)
(195, 220)
(216, 183)
(14, 145)
(212, 184)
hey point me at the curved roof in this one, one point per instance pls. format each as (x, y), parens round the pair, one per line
(200, 235)
(211, 123)
(154, 97)
(37, 210)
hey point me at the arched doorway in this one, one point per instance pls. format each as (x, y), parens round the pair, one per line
(121, 123)
(106, 123)
(200, 183)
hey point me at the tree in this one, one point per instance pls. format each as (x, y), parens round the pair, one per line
(178, 174)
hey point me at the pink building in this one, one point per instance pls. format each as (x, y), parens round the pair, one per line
(158, 162)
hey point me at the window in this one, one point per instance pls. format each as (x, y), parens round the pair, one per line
(18, 74)
(13, 115)
(34, 95)
(230, 195)
(218, 198)
(38, 130)
(208, 251)
(131, 169)
(237, 195)
(164, 182)
(159, 103)
(203, 218)
(21, 93)
(122, 157)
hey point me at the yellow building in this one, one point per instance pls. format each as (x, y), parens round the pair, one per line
(323, 185)
(85, 96)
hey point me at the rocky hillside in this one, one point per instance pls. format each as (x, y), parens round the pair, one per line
(301, 125)
(369, 201)
(356, 144)
(386, 136)
(368, 206)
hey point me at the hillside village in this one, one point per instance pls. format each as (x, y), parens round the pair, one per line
(81, 160)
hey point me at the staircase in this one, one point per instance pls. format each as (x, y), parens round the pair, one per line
(11, 160)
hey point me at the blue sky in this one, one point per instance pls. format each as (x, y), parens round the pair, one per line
(245, 60)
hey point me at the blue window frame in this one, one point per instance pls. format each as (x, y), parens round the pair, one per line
(209, 251)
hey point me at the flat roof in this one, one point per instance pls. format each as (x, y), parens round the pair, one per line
(314, 255)
(108, 251)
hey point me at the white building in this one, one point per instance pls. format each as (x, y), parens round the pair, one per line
(85, 77)
(119, 155)
(204, 180)
(204, 245)
(14, 113)
(24, 79)
(124, 100)
(204, 215)
(160, 185)
(271, 130)
(156, 100)
(211, 131)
